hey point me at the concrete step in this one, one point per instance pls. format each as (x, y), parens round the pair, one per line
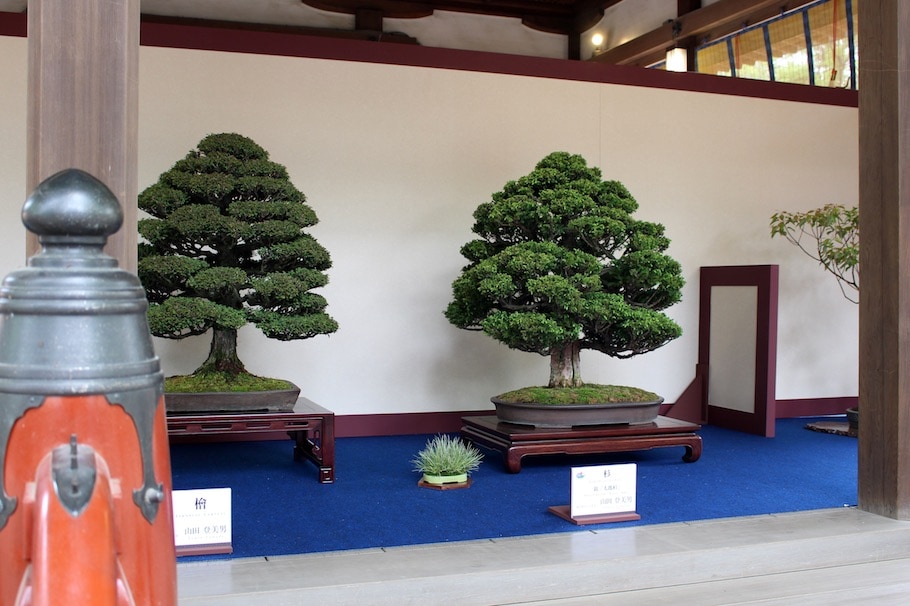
(566, 566)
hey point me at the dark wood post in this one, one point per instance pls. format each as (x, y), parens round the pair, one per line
(83, 63)
(884, 207)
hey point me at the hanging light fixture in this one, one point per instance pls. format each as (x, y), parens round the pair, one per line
(677, 57)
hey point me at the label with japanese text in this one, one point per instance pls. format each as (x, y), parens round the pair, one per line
(202, 517)
(603, 489)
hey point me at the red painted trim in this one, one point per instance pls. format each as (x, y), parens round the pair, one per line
(13, 24)
(689, 405)
(815, 407)
(202, 37)
(354, 426)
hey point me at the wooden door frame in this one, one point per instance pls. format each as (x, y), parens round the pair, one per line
(765, 279)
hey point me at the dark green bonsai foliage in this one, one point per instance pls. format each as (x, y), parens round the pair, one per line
(561, 265)
(226, 246)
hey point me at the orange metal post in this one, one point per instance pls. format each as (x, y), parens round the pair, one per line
(85, 488)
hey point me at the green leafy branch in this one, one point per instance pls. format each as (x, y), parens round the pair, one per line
(830, 235)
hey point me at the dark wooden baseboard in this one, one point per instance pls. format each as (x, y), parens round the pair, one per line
(349, 426)
(410, 423)
(815, 407)
(352, 426)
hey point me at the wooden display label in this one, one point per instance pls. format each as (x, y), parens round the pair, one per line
(601, 493)
(202, 521)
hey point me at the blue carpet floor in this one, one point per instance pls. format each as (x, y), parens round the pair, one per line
(279, 506)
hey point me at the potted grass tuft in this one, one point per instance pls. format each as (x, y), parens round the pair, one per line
(446, 462)
(560, 265)
(226, 245)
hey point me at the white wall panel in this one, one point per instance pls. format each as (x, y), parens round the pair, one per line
(731, 368)
(395, 159)
(13, 83)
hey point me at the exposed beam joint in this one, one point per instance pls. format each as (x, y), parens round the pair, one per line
(368, 19)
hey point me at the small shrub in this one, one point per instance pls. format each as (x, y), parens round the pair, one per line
(830, 235)
(445, 455)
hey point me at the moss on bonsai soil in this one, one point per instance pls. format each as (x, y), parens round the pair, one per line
(590, 393)
(222, 382)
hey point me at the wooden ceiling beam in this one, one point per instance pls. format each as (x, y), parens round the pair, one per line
(398, 9)
(554, 16)
(695, 23)
(372, 35)
(410, 9)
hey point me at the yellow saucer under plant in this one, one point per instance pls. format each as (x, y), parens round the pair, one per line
(447, 460)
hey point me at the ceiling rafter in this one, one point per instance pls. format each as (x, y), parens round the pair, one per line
(720, 18)
(370, 35)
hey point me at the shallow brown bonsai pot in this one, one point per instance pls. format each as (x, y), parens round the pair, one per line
(281, 400)
(571, 415)
(853, 422)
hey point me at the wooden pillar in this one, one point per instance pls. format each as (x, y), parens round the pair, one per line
(83, 64)
(884, 207)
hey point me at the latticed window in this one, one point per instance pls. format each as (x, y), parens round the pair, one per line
(814, 44)
(833, 29)
(750, 59)
(789, 58)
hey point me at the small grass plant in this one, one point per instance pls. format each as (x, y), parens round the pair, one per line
(445, 455)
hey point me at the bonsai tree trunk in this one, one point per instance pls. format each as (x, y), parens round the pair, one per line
(565, 366)
(223, 353)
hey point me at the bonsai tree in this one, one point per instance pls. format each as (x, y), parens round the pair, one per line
(830, 235)
(226, 246)
(560, 265)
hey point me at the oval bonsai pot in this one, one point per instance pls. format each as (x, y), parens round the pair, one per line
(279, 400)
(853, 422)
(572, 415)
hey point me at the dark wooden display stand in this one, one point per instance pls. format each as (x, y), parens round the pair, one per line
(517, 441)
(311, 426)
